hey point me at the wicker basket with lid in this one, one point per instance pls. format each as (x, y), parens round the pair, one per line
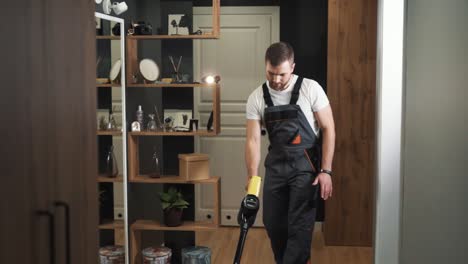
(157, 255)
(112, 255)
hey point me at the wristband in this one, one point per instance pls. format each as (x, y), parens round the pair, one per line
(329, 172)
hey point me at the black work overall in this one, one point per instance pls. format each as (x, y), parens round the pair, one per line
(289, 197)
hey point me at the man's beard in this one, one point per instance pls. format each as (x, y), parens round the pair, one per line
(280, 86)
(277, 86)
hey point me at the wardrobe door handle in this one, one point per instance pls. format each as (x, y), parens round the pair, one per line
(50, 217)
(67, 228)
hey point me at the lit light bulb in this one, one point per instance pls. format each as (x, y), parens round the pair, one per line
(209, 79)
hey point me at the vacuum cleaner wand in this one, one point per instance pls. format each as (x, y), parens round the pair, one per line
(247, 214)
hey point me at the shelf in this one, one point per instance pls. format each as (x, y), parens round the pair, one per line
(108, 37)
(115, 224)
(137, 229)
(102, 178)
(172, 179)
(109, 133)
(200, 132)
(174, 85)
(107, 85)
(203, 36)
(186, 226)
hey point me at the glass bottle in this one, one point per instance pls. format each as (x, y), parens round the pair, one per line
(139, 116)
(155, 166)
(152, 126)
(112, 169)
(112, 125)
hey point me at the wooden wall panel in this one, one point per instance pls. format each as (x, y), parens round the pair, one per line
(71, 64)
(352, 34)
(48, 118)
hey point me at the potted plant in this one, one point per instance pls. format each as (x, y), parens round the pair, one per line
(172, 203)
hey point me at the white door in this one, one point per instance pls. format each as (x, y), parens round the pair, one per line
(238, 57)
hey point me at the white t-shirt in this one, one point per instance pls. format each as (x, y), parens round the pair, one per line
(312, 98)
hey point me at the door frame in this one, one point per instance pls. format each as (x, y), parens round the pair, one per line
(274, 12)
(389, 130)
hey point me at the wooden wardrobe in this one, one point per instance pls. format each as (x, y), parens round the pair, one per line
(352, 44)
(48, 190)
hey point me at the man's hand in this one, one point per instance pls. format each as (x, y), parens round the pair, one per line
(326, 185)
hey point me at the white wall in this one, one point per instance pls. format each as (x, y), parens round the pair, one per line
(435, 148)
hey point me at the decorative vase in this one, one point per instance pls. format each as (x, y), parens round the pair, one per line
(111, 164)
(173, 217)
(151, 123)
(155, 168)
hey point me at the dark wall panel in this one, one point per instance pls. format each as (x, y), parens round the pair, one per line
(304, 26)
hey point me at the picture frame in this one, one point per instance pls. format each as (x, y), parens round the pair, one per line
(180, 118)
(136, 127)
(178, 24)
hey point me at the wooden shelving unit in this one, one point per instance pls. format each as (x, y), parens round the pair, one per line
(118, 226)
(102, 178)
(112, 225)
(132, 42)
(109, 133)
(133, 147)
(154, 37)
(214, 34)
(108, 85)
(201, 132)
(216, 98)
(132, 69)
(151, 225)
(108, 37)
(173, 85)
(171, 179)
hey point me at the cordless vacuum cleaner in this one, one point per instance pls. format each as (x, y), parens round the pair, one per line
(247, 213)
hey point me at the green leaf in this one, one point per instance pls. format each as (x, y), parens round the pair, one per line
(173, 192)
(165, 205)
(172, 199)
(180, 203)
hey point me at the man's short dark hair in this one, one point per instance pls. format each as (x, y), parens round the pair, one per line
(278, 53)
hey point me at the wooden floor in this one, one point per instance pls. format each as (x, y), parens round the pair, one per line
(257, 250)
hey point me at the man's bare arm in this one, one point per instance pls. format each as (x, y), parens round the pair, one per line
(252, 147)
(325, 120)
